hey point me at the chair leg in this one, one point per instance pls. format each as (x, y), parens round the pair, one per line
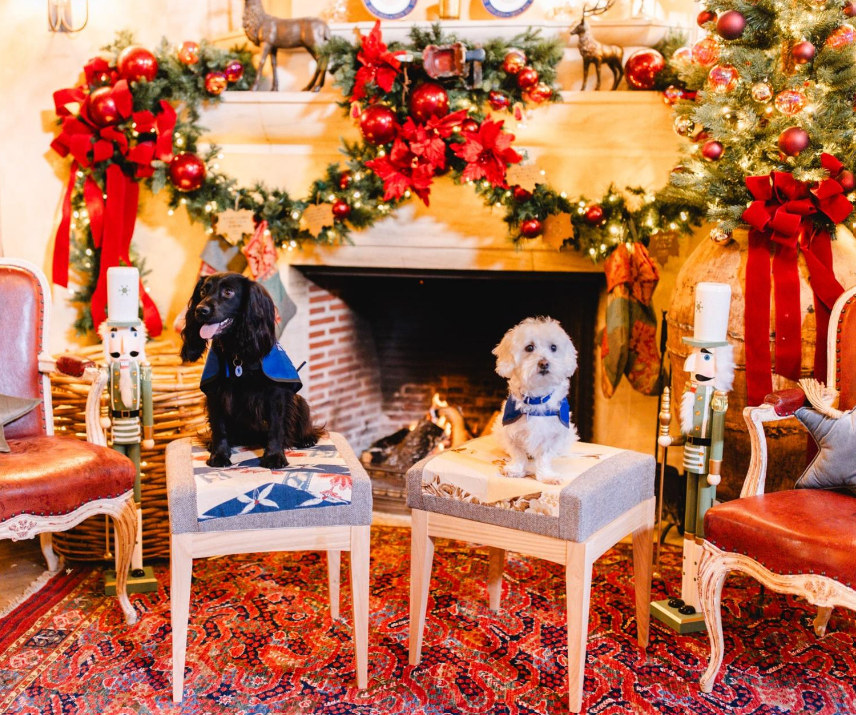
(334, 577)
(360, 540)
(495, 566)
(125, 526)
(181, 572)
(46, 541)
(821, 620)
(578, 592)
(643, 541)
(711, 577)
(421, 559)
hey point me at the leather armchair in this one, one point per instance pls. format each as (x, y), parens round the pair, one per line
(799, 541)
(49, 482)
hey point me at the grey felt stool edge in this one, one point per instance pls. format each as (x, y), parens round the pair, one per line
(181, 494)
(599, 495)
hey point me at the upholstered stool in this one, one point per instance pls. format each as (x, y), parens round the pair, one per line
(321, 501)
(604, 494)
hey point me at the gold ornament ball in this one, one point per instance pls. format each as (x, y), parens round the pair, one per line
(188, 53)
(723, 78)
(790, 102)
(762, 92)
(706, 52)
(514, 61)
(215, 83)
(841, 37)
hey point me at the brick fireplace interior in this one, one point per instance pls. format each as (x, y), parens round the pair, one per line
(382, 342)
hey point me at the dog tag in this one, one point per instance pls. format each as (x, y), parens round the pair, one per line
(239, 370)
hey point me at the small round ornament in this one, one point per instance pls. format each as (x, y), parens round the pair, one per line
(233, 70)
(527, 78)
(215, 83)
(705, 17)
(377, 124)
(101, 107)
(846, 179)
(793, 140)
(803, 52)
(345, 179)
(672, 94)
(841, 37)
(850, 9)
(719, 236)
(761, 92)
(469, 125)
(642, 68)
(341, 209)
(706, 51)
(712, 150)
(683, 126)
(187, 171)
(540, 93)
(730, 25)
(531, 227)
(723, 78)
(701, 137)
(498, 100)
(594, 214)
(429, 100)
(790, 102)
(514, 61)
(683, 55)
(136, 63)
(521, 194)
(188, 53)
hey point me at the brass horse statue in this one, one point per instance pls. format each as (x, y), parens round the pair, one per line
(275, 33)
(593, 52)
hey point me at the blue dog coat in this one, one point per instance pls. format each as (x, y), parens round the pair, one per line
(276, 366)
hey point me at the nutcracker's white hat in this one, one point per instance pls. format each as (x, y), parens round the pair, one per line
(123, 296)
(710, 326)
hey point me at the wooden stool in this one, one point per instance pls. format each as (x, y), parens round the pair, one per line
(604, 495)
(321, 501)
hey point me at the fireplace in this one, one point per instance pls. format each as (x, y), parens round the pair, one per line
(383, 341)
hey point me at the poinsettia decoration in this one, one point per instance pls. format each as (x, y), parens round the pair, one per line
(378, 65)
(488, 152)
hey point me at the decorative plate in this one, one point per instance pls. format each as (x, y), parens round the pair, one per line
(506, 8)
(390, 9)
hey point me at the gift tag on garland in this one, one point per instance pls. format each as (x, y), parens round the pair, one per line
(527, 176)
(316, 217)
(557, 229)
(662, 245)
(232, 224)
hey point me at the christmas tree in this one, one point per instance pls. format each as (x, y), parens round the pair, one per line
(771, 148)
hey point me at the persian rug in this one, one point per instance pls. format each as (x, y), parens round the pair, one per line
(261, 641)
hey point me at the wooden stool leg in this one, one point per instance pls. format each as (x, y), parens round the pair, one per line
(578, 592)
(334, 577)
(421, 559)
(360, 539)
(643, 546)
(495, 566)
(181, 572)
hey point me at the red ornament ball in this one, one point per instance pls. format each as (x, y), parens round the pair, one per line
(136, 63)
(429, 100)
(234, 70)
(102, 107)
(531, 227)
(188, 53)
(514, 61)
(846, 179)
(377, 124)
(723, 78)
(705, 17)
(594, 214)
(730, 25)
(527, 78)
(469, 125)
(215, 83)
(541, 92)
(521, 194)
(642, 68)
(341, 209)
(187, 171)
(850, 9)
(803, 52)
(712, 150)
(498, 100)
(793, 140)
(345, 179)
(706, 51)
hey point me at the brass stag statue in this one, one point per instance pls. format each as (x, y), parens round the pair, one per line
(595, 53)
(274, 33)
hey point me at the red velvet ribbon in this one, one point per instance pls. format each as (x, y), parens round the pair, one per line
(779, 219)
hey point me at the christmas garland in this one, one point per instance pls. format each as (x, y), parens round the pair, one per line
(428, 108)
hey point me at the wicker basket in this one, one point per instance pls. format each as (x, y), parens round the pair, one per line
(179, 411)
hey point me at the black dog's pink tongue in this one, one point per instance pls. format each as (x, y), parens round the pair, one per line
(208, 331)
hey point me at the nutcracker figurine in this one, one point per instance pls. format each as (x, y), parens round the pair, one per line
(702, 414)
(129, 388)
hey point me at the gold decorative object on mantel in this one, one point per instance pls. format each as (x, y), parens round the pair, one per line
(450, 9)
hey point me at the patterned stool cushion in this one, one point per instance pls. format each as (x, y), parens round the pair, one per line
(597, 484)
(324, 485)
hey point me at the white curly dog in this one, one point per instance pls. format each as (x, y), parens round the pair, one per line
(538, 358)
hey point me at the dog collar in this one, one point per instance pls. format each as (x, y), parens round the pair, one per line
(514, 412)
(537, 400)
(276, 365)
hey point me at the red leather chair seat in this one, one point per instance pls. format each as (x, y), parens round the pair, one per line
(36, 466)
(797, 531)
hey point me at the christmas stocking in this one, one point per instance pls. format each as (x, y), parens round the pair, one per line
(260, 252)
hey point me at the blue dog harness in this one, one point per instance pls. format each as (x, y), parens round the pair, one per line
(513, 411)
(276, 366)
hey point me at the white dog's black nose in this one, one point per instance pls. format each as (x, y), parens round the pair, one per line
(543, 366)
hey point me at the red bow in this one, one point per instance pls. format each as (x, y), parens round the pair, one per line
(779, 218)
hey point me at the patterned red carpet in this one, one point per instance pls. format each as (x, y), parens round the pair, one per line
(261, 641)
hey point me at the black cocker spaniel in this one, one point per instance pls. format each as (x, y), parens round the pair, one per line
(249, 382)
